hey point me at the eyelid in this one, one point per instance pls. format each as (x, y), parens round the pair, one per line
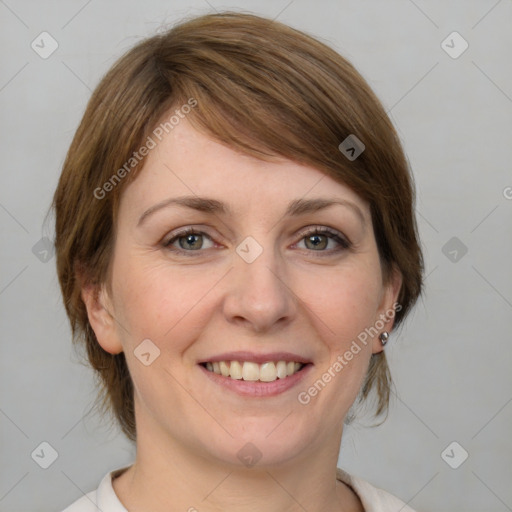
(181, 232)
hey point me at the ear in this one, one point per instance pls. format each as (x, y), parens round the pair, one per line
(100, 313)
(387, 307)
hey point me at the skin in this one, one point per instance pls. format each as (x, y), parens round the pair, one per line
(297, 297)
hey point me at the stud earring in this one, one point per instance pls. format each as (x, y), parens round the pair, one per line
(383, 337)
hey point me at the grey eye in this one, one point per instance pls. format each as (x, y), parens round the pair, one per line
(316, 241)
(192, 241)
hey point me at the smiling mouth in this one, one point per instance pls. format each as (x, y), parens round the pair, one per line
(250, 371)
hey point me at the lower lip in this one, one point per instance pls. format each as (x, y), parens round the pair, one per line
(258, 388)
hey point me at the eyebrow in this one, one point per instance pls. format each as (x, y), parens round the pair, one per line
(213, 206)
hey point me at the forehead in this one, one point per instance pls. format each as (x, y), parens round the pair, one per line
(189, 162)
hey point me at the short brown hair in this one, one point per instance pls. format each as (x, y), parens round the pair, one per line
(261, 87)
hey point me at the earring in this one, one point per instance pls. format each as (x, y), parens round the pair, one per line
(383, 337)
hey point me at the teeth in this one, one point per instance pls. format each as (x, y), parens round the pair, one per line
(224, 369)
(281, 370)
(235, 370)
(249, 371)
(268, 372)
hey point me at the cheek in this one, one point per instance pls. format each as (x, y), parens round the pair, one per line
(157, 301)
(344, 301)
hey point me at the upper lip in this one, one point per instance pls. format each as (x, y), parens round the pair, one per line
(256, 358)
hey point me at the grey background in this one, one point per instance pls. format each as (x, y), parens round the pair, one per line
(451, 361)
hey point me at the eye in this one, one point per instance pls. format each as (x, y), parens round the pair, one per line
(320, 238)
(188, 240)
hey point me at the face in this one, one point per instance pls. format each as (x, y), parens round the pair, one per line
(237, 285)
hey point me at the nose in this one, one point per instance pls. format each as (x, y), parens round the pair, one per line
(259, 295)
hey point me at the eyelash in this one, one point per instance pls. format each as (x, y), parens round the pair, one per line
(330, 233)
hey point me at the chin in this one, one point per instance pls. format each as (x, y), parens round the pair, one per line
(259, 442)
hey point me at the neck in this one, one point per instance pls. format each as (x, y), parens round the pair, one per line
(166, 473)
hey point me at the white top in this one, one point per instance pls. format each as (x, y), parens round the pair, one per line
(104, 499)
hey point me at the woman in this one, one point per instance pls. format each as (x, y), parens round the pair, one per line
(235, 241)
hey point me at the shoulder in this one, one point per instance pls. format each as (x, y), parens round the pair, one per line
(103, 499)
(86, 503)
(372, 498)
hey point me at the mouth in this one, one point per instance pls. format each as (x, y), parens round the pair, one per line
(256, 375)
